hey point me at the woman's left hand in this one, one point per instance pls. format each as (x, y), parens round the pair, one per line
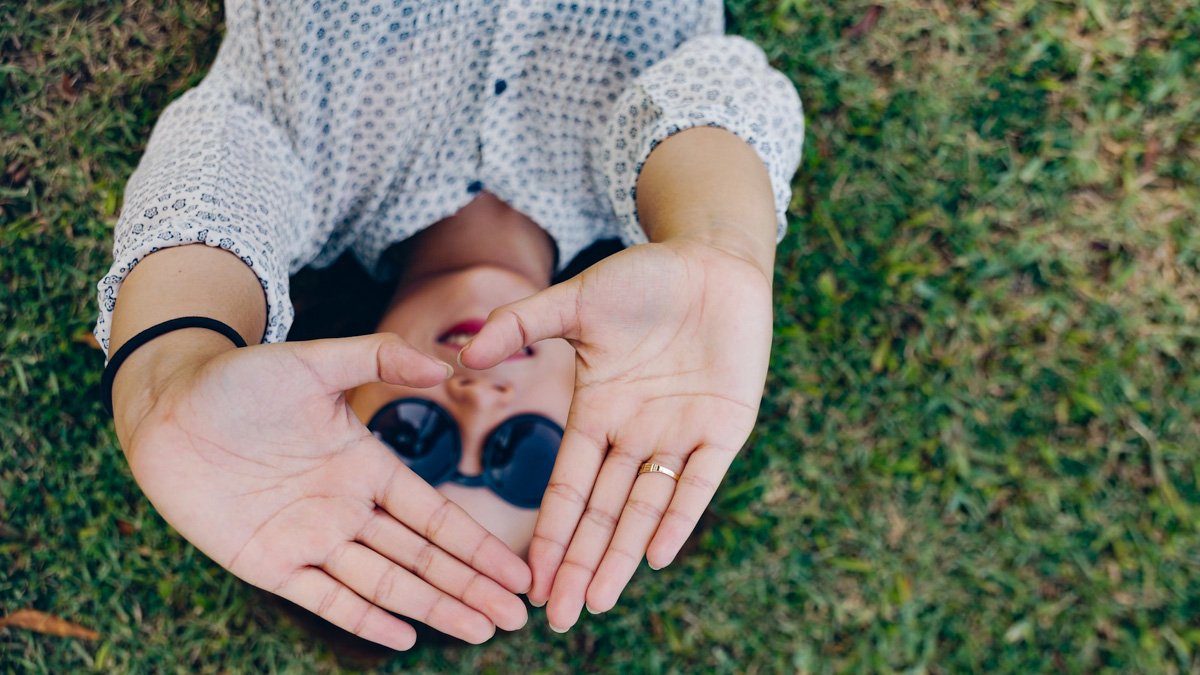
(672, 342)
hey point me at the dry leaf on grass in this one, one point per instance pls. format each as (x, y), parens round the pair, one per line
(40, 622)
(865, 24)
(85, 337)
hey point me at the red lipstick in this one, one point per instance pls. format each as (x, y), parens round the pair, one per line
(469, 327)
(453, 337)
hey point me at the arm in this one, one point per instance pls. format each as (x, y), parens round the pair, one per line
(673, 339)
(183, 281)
(707, 185)
(718, 81)
(252, 454)
(672, 335)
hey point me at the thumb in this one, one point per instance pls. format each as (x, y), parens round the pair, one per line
(345, 363)
(551, 313)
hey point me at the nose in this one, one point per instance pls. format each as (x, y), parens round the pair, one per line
(478, 392)
(478, 401)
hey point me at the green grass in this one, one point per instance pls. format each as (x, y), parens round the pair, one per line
(978, 445)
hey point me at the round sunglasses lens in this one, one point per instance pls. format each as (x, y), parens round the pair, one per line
(519, 458)
(421, 434)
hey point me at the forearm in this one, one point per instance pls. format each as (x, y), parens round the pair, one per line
(194, 280)
(706, 183)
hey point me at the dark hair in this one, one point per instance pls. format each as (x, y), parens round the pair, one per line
(342, 300)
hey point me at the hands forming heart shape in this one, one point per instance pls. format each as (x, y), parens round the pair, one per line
(254, 456)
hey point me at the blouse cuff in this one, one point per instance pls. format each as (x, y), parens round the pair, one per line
(272, 275)
(714, 81)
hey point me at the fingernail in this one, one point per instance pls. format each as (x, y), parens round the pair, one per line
(460, 353)
(556, 629)
(538, 604)
(589, 609)
(656, 568)
(449, 369)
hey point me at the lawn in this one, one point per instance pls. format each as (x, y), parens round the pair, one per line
(978, 446)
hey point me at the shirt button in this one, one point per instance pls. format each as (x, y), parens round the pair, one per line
(475, 186)
(501, 85)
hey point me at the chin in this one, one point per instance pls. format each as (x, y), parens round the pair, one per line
(428, 305)
(493, 286)
(510, 524)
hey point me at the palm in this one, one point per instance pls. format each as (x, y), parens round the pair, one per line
(672, 343)
(668, 338)
(257, 460)
(239, 488)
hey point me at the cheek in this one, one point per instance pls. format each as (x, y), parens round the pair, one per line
(359, 400)
(551, 386)
(559, 358)
(366, 400)
(564, 371)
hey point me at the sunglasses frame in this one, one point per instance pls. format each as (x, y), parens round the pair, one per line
(452, 474)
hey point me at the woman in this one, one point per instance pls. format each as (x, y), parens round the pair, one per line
(492, 142)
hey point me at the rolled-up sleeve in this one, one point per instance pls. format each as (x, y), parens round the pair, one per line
(216, 171)
(713, 80)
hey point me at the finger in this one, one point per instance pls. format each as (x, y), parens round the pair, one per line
(639, 519)
(427, 512)
(324, 596)
(345, 363)
(697, 485)
(385, 584)
(579, 459)
(591, 538)
(548, 314)
(389, 537)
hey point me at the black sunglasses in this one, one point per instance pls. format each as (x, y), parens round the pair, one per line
(518, 455)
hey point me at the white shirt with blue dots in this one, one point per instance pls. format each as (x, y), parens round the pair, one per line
(333, 124)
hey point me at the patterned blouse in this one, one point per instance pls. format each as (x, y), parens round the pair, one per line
(327, 125)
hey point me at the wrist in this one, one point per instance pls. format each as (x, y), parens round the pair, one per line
(191, 280)
(152, 368)
(707, 185)
(729, 239)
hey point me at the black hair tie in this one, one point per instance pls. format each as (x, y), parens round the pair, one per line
(158, 330)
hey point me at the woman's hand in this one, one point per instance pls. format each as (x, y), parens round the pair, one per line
(254, 456)
(672, 343)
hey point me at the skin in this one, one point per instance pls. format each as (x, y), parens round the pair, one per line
(672, 341)
(297, 497)
(256, 457)
(440, 293)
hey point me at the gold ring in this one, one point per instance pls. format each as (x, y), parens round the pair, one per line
(651, 467)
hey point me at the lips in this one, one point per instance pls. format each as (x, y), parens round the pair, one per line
(458, 335)
(461, 333)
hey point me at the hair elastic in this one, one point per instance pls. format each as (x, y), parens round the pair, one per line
(158, 330)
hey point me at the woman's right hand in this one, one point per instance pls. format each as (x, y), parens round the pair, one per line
(254, 456)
